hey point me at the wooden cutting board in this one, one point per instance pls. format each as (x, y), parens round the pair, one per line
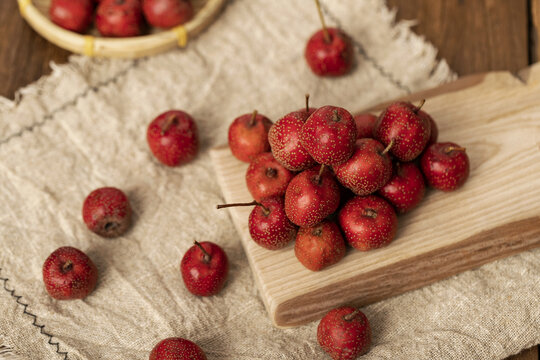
(496, 116)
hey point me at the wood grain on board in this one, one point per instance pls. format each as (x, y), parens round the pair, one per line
(496, 213)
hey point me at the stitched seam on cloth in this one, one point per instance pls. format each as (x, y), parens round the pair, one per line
(18, 300)
(362, 51)
(72, 102)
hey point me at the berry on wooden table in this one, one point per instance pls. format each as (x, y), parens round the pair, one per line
(248, 136)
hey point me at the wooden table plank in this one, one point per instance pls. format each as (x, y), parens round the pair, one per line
(473, 36)
(534, 31)
(529, 354)
(24, 55)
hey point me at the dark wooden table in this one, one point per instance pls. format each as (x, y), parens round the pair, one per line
(472, 35)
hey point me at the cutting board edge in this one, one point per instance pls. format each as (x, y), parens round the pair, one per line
(505, 236)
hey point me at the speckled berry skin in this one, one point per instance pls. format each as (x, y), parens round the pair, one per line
(204, 275)
(248, 136)
(434, 130)
(119, 18)
(106, 211)
(269, 226)
(73, 15)
(367, 170)
(173, 138)
(265, 177)
(308, 199)
(400, 122)
(284, 139)
(332, 58)
(167, 13)
(69, 274)
(365, 123)
(406, 188)
(344, 333)
(368, 222)
(176, 349)
(329, 135)
(445, 166)
(319, 246)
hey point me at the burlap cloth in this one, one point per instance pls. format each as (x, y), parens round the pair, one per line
(84, 127)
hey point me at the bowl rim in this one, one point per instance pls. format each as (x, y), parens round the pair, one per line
(128, 47)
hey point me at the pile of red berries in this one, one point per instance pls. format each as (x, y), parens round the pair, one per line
(325, 178)
(319, 173)
(313, 176)
(119, 18)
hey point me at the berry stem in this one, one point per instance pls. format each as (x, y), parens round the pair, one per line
(351, 316)
(254, 202)
(317, 231)
(206, 257)
(387, 149)
(253, 117)
(449, 149)
(335, 116)
(169, 121)
(307, 103)
(326, 34)
(271, 172)
(319, 175)
(370, 213)
(417, 109)
(68, 265)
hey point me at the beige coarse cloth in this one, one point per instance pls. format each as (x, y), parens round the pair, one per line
(84, 127)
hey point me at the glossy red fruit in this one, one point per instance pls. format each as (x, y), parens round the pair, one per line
(119, 18)
(269, 226)
(445, 166)
(368, 169)
(173, 138)
(406, 188)
(311, 197)
(107, 212)
(248, 136)
(204, 268)
(74, 15)
(331, 54)
(68, 274)
(265, 177)
(284, 139)
(319, 246)
(344, 333)
(434, 134)
(365, 124)
(400, 125)
(177, 349)
(329, 135)
(368, 222)
(167, 13)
